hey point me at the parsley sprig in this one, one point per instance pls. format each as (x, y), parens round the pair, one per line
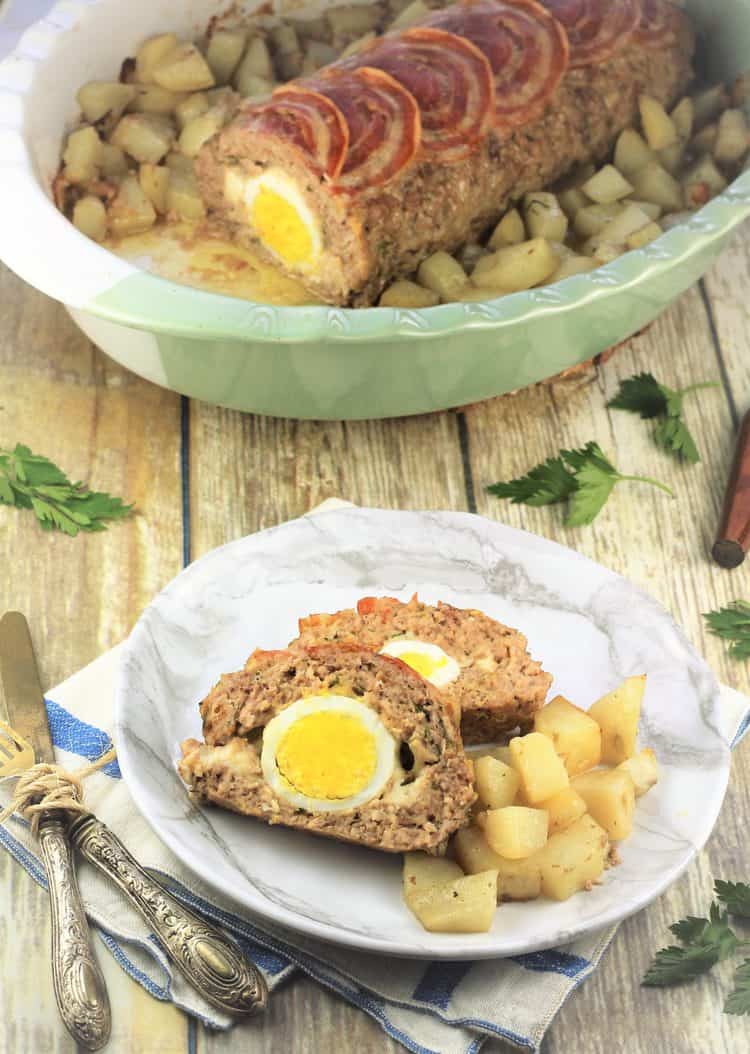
(30, 481)
(584, 478)
(705, 942)
(732, 624)
(645, 396)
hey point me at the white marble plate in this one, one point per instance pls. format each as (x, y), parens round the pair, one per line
(590, 628)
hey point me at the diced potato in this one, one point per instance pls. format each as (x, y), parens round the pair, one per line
(708, 105)
(632, 153)
(357, 45)
(509, 231)
(572, 201)
(412, 13)
(561, 250)
(255, 87)
(256, 62)
(468, 255)
(312, 28)
(516, 879)
(644, 236)
(496, 783)
(474, 294)
(616, 232)
(466, 905)
(604, 252)
(98, 98)
(154, 180)
(130, 212)
(571, 266)
(654, 183)
(288, 54)
(705, 140)
(350, 22)
(658, 126)
(542, 772)
(573, 859)
(319, 53)
(576, 737)
(591, 219)
(617, 713)
(515, 831)
(544, 217)
(606, 186)
(423, 872)
(702, 182)
(144, 136)
(408, 295)
(112, 161)
(671, 157)
(82, 155)
(184, 196)
(90, 217)
(652, 210)
(733, 138)
(610, 799)
(643, 770)
(683, 117)
(224, 52)
(151, 53)
(184, 69)
(516, 267)
(150, 98)
(179, 163)
(199, 131)
(444, 275)
(190, 107)
(563, 809)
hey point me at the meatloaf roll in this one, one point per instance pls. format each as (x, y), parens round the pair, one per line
(335, 740)
(419, 142)
(481, 668)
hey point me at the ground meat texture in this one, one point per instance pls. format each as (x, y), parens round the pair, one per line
(418, 810)
(500, 686)
(382, 234)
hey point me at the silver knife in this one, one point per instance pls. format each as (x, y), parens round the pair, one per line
(79, 985)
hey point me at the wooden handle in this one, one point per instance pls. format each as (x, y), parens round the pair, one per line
(733, 538)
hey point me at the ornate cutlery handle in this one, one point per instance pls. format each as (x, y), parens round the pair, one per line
(207, 958)
(79, 984)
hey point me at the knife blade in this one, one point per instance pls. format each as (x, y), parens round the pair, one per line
(78, 981)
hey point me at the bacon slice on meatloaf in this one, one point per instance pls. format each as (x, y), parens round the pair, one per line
(430, 793)
(500, 686)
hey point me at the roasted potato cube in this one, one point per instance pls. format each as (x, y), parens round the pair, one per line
(638, 239)
(144, 136)
(509, 231)
(610, 799)
(632, 153)
(617, 713)
(318, 54)
(573, 859)
(652, 210)
(496, 783)
(288, 55)
(224, 52)
(151, 53)
(150, 98)
(705, 140)
(130, 212)
(199, 131)
(563, 809)
(542, 772)
(408, 295)
(179, 163)
(90, 217)
(671, 157)
(683, 116)
(733, 138)
(515, 831)
(576, 737)
(409, 15)
(351, 21)
(190, 107)
(516, 267)
(654, 183)
(154, 180)
(468, 255)
(444, 275)
(98, 98)
(643, 770)
(466, 905)
(255, 87)
(604, 252)
(708, 104)
(357, 45)
(312, 28)
(516, 879)
(616, 232)
(570, 266)
(256, 62)
(184, 69)
(184, 196)
(112, 161)
(592, 219)
(658, 126)
(82, 155)
(606, 186)
(422, 872)
(572, 201)
(544, 217)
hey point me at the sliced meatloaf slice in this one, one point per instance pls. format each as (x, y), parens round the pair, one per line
(498, 687)
(287, 741)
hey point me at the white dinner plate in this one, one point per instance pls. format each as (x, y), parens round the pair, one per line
(588, 626)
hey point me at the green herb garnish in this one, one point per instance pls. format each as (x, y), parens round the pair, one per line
(645, 396)
(733, 624)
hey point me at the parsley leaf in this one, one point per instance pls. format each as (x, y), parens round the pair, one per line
(705, 942)
(733, 624)
(584, 478)
(645, 396)
(739, 1000)
(30, 481)
(735, 896)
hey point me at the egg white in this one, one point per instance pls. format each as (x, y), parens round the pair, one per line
(242, 189)
(277, 727)
(446, 669)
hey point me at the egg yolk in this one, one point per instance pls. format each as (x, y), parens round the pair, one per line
(280, 227)
(327, 755)
(425, 665)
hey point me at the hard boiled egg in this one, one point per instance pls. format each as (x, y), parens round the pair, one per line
(327, 753)
(430, 661)
(278, 214)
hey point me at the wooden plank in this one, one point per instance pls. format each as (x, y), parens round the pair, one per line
(103, 425)
(728, 288)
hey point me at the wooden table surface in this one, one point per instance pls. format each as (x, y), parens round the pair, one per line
(202, 476)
